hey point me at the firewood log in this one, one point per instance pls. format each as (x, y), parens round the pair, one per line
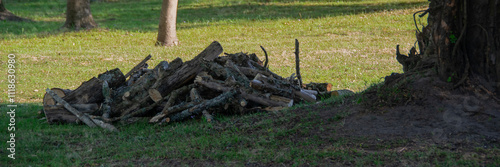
(188, 71)
(219, 100)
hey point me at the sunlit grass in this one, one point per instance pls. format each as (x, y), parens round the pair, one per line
(350, 44)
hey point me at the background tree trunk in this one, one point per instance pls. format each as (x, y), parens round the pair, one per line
(465, 37)
(167, 35)
(2, 8)
(7, 15)
(78, 15)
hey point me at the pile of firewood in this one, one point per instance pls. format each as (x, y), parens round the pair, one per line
(176, 90)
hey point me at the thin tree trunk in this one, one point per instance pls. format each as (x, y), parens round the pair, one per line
(78, 15)
(167, 35)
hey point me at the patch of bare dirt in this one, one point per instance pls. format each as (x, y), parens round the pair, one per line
(422, 107)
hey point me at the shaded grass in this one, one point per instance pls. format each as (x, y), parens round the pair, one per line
(289, 137)
(347, 43)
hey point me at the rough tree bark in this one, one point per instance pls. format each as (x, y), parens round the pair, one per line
(78, 15)
(167, 35)
(464, 37)
(7, 15)
(2, 8)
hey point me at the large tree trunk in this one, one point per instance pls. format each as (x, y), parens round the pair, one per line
(167, 35)
(2, 8)
(7, 15)
(465, 37)
(78, 15)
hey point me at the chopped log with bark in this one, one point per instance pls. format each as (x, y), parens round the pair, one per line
(173, 91)
(58, 114)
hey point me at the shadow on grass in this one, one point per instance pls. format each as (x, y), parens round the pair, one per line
(143, 16)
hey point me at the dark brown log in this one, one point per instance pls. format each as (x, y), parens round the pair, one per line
(248, 96)
(172, 110)
(114, 77)
(134, 96)
(216, 70)
(81, 116)
(237, 74)
(138, 66)
(190, 69)
(282, 87)
(91, 90)
(259, 85)
(160, 68)
(166, 110)
(240, 59)
(173, 96)
(219, 100)
(58, 114)
(211, 85)
(284, 100)
(262, 100)
(170, 69)
(137, 112)
(195, 95)
(320, 87)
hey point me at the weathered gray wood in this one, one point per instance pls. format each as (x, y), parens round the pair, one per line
(297, 62)
(114, 77)
(172, 110)
(190, 69)
(81, 116)
(207, 116)
(195, 95)
(91, 90)
(219, 100)
(58, 114)
(106, 92)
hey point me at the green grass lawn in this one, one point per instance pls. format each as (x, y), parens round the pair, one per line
(349, 43)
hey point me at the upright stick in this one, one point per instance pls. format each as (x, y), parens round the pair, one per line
(267, 60)
(297, 62)
(138, 66)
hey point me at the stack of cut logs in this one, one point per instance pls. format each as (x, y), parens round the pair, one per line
(176, 90)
